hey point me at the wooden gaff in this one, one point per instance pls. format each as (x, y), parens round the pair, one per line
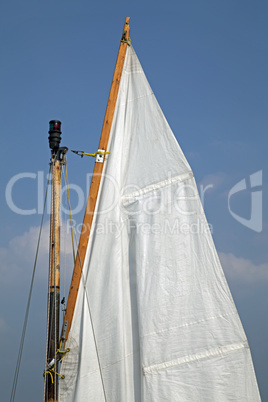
(95, 183)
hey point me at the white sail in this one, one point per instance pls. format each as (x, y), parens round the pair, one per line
(154, 319)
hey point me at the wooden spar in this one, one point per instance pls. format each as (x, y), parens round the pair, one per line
(54, 281)
(95, 183)
(52, 358)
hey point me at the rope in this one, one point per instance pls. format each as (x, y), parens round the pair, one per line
(81, 153)
(51, 367)
(70, 211)
(64, 253)
(16, 375)
(51, 255)
(52, 304)
(48, 303)
(128, 41)
(67, 200)
(54, 293)
(91, 320)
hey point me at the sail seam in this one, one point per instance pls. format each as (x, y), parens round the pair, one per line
(110, 364)
(131, 197)
(188, 324)
(205, 354)
(123, 358)
(137, 97)
(133, 72)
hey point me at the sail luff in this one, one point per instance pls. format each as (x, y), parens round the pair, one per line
(96, 179)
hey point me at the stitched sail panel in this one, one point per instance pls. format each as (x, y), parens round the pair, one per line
(153, 293)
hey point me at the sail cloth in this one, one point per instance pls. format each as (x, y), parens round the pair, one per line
(154, 319)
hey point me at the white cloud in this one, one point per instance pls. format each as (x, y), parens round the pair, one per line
(24, 246)
(192, 155)
(17, 259)
(243, 270)
(215, 180)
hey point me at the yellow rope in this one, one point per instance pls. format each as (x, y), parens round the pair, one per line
(128, 41)
(81, 153)
(62, 352)
(50, 373)
(95, 153)
(51, 370)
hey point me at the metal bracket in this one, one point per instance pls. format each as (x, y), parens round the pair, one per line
(100, 156)
(64, 330)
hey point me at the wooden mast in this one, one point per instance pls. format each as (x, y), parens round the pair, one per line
(57, 160)
(54, 281)
(95, 183)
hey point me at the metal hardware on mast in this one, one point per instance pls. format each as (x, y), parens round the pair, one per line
(57, 160)
(96, 179)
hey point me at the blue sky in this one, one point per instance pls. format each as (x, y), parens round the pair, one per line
(207, 65)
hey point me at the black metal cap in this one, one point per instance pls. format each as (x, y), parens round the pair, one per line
(54, 134)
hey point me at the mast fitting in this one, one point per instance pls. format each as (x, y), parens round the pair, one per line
(50, 369)
(55, 139)
(99, 154)
(127, 41)
(125, 36)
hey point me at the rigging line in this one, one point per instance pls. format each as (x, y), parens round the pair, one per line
(52, 302)
(55, 295)
(67, 201)
(70, 210)
(16, 375)
(64, 248)
(91, 320)
(49, 279)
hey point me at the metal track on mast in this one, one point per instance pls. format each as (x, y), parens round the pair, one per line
(95, 183)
